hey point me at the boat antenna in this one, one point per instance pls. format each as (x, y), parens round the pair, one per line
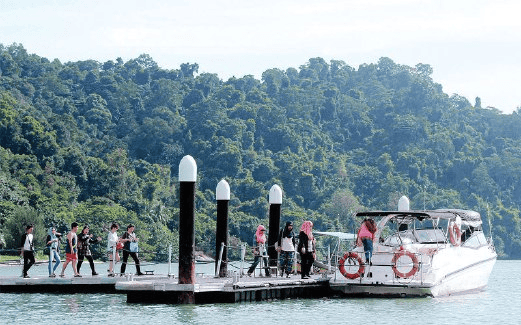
(424, 190)
(489, 221)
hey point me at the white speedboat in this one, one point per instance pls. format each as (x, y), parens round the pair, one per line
(419, 253)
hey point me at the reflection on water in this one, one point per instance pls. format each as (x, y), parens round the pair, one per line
(72, 303)
(498, 304)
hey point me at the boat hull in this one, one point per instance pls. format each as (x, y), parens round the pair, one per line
(450, 271)
(469, 278)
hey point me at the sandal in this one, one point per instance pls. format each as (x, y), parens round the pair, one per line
(62, 275)
(77, 275)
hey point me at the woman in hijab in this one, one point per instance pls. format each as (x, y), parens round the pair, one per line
(286, 247)
(259, 250)
(53, 242)
(306, 248)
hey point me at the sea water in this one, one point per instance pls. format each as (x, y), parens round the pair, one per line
(498, 304)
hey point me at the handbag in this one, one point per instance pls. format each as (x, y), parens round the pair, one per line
(133, 247)
(119, 246)
(47, 250)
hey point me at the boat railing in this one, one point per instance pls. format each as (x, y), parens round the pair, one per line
(240, 257)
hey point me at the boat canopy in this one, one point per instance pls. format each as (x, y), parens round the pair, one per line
(469, 217)
(340, 235)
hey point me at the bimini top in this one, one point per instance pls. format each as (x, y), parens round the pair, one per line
(465, 215)
(340, 235)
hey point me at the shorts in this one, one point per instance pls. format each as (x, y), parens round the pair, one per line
(71, 257)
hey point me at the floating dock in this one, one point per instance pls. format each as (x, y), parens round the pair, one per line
(219, 290)
(45, 284)
(167, 290)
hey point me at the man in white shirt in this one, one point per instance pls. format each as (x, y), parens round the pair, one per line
(27, 250)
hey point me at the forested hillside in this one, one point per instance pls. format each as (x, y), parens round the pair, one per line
(97, 142)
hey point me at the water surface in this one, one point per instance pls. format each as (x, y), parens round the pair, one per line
(498, 304)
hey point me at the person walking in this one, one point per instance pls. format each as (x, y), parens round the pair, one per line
(306, 248)
(71, 251)
(259, 251)
(130, 248)
(286, 248)
(112, 243)
(53, 243)
(27, 251)
(84, 241)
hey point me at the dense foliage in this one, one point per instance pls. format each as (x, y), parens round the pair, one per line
(100, 142)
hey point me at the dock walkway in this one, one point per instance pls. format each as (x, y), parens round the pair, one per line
(45, 284)
(164, 289)
(225, 290)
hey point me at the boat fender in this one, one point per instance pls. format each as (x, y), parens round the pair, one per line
(455, 234)
(342, 269)
(415, 264)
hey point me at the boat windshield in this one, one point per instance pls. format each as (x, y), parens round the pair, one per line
(398, 231)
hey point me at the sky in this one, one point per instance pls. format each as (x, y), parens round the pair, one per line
(473, 46)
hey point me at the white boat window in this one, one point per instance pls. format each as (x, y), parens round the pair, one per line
(430, 236)
(396, 233)
(399, 239)
(476, 240)
(402, 231)
(443, 223)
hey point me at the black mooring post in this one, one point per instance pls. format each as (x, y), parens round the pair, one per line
(187, 179)
(222, 195)
(275, 200)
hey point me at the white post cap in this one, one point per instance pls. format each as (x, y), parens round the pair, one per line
(222, 192)
(403, 204)
(187, 169)
(275, 195)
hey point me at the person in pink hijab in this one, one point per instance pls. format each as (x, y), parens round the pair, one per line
(259, 251)
(306, 248)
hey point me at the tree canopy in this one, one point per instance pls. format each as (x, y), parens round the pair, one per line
(97, 142)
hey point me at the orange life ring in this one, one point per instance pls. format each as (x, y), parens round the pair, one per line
(455, 235)
(414, 268)
(342, 269)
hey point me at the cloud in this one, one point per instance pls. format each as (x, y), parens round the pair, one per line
(235, 37)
